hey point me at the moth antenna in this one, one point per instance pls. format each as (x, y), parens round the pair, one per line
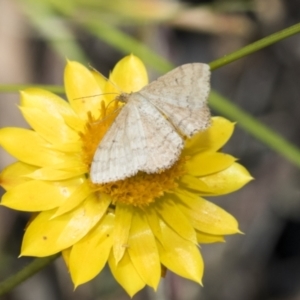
(95, 70)
(97, 95)
(107, 79)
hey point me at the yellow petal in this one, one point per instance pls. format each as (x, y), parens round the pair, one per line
(70, 147)
(171, 215)
(143, 252)
(129, 74)
(101, 80)
(193, 183)
(13, 175)
(208, 163)
(49, 173)
(78, 195)
(212, 139)
(153, 221)
(66, 256)
(89, 255)
(179, 255)
(45, 236)
(126, 274)
(35, 195)
(205, 238)
(121, 231)
(206, 216)
(52, 105)
(27, 146)
(67, 169)
(82, 90)
(228, 180)
(53, 130)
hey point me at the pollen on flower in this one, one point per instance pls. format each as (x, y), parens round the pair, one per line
(139, 190)
(142, 189)
(95, 130)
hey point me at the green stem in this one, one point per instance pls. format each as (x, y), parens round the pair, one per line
(255, 128)
(246, 121)
(34, 267)
(267, 41)
(13, 88)
(127, 44)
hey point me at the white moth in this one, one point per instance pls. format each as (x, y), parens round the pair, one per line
(148, 133)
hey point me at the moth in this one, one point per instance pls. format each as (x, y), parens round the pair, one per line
(148, 134)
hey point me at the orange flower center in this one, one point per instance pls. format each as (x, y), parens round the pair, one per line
(139, 190)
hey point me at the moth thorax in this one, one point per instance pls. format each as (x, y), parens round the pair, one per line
(123, 97)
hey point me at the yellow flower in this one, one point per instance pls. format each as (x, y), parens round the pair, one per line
(140, 226)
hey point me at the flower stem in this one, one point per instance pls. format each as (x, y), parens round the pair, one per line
(246, 121)
(34, 267)
(255, 128)
(12, 88)
(267, 41)
(127, 44)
